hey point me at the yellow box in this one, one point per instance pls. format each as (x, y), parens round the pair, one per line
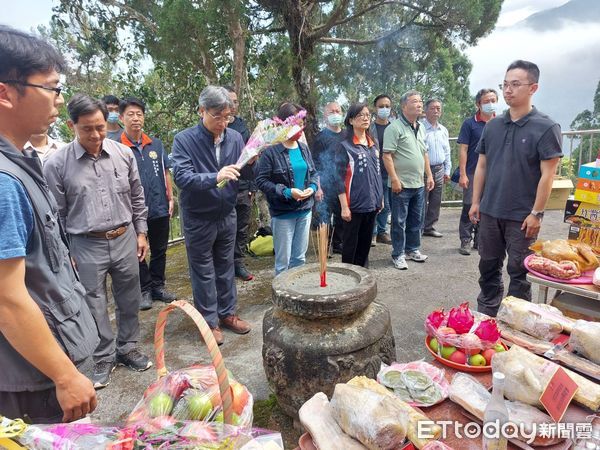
(561, 189)
(587, 196)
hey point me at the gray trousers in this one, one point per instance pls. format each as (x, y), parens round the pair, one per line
(465, 226)
(433, 198)
(209, 245)
(497, 237)
(96, 258)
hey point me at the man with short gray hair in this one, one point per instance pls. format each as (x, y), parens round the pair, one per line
(405, 158)
(437, 140)
(203, 156)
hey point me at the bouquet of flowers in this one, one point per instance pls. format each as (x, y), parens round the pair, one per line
(268, 132)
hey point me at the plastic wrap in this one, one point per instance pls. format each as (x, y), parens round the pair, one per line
(527, 375)
(372, 418)
(192, 394)
(467, 392)
(478, 332)
(437, 445)
(538, 320)
(317, 418)
(417, 383)
(585, 339)
(162, 432)
(414, 416)
(71, 436)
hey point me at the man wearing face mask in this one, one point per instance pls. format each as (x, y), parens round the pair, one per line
(113, 129)
(438, 148)
(383, 109)
(486, 101)
(323, 153)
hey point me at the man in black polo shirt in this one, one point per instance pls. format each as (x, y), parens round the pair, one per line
(518, 155)
(153, 166)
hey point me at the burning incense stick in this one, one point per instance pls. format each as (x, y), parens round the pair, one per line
(323, 247)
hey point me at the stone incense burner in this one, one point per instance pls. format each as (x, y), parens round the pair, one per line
(315, 337)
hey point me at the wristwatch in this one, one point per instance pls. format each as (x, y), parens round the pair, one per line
(538, 214)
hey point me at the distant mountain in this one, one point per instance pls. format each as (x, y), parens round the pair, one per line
(579, 11)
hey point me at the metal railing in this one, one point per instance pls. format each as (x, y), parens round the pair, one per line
(453, 198)
(578, 143)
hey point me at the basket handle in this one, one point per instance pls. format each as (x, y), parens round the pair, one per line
(211, 344)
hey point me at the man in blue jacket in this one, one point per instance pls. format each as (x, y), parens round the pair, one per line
(203, 156)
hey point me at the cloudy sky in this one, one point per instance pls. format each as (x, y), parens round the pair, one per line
(568, 56)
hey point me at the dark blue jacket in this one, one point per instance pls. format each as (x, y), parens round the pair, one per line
(195, 171)
(359, 175)
(274, 174)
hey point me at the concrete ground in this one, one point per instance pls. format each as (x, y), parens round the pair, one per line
(444, 280)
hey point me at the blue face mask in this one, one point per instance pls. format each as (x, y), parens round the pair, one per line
(383, 113)
(489, 108)
(113, 117)
(334, 119)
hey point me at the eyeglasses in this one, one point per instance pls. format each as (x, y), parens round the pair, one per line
(513, 85)
(58, 89)
(228, 119)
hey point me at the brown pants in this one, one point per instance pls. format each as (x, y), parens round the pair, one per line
(31, 406)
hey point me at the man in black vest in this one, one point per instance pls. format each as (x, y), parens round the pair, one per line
(47, 333)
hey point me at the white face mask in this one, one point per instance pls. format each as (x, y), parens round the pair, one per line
(383, 113)
(334, 119)
(489, 108)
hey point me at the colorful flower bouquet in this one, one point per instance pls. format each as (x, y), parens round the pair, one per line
(268, 132)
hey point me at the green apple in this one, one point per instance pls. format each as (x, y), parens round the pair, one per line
(219, 417)
(499, 348)
(477, 360)
(447, 351)
(160, 405)
(433, 345)
(199, 406)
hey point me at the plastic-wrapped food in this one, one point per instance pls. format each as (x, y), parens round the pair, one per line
(563, 250)
(467, 392)
(538, 320)
(414, 416)
(192, 394)
(549, 350)
(418, 383)
(585, 339)
(317, 418)
(437, 445)
(462, 328)
(372, 418)
(70, 436)
(527, 375)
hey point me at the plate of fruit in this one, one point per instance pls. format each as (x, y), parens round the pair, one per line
(460, 340)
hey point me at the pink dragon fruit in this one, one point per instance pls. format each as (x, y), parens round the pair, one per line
(434, 320)
(461, 318)
(487, 330)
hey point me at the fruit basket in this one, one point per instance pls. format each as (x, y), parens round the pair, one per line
(458, 366)
(202, 393)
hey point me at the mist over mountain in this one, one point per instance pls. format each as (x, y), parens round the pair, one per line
(578, 11)
(564, 41)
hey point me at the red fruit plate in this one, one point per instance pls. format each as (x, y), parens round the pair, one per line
(462, 367)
